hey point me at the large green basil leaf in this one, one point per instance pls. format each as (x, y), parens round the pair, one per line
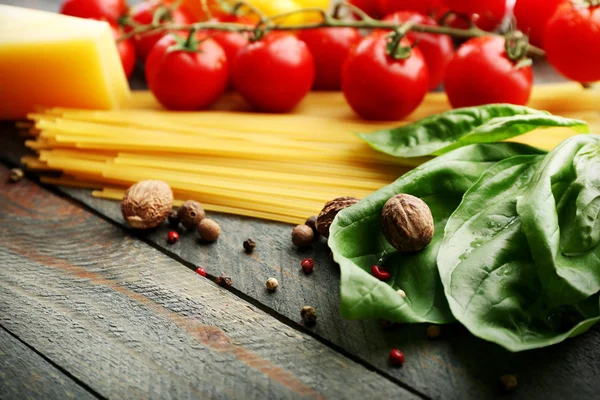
(441, 133)
(489, 274)
(560, 213)
(357, 240)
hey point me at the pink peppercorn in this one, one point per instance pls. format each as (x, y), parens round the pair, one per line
(380, 273)
(172, 237)
(396, 357)
(201, 271)
(308, 265)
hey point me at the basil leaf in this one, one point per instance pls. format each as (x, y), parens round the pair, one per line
(357, 240)
(561, 219)
(489, 275)
(441, 133)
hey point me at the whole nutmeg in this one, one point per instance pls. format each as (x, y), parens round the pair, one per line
(209, 230)
(147, 204)
(190, 214)
(309, 315)
(407, 223)
(331, 209)
(303, 236)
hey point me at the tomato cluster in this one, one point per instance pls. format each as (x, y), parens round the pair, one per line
(190, 71)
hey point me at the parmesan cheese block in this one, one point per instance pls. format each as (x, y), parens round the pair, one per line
(50, 60)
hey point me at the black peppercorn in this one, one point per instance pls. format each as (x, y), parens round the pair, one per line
(224, 281)
(312, 223)
(249, 245)
(173, 220)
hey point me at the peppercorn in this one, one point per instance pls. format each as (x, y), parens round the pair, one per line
(396, 357)
(172, 237)
(190, 214)
(509, 382)
(249, 245)
(224, 281)
(308, 265)
(380, 273)
(309, 315)
(312, 222)
(173, 220)
(201, 271)
(16, 174)
(402, 293)
(272, 284)
(209, 230)
(433, 331)
(303, 236)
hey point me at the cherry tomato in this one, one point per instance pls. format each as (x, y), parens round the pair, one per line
(231, 42)
(481, 73)
(378, 87)
(371, 7)
(275, 73)
(143, 13)
(437, 49)
(329, 47)
(572, 42)
(532, 17)
(126, 51)
(427, 7)
(195, 8)
(186, 80)
(490, 13)
(109, 10)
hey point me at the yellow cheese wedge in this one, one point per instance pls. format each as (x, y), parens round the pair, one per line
(49, 60)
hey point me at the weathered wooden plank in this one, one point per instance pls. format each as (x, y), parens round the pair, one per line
(129, 321)
(26, 375)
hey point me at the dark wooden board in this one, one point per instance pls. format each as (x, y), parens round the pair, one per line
(129, 321)
(26, 375)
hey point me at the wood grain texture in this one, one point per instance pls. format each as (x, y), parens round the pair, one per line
(26, 375)
(129, 321)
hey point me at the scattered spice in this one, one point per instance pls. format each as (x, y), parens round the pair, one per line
(249, 245)
(303, 236)
(309, 315)
(224, 281)
(312, 222)
(201, 271)
(147, 204)
(173, 220)
(509, 382)
(272, 284)
(402, 293)
(396, 357)
(209, 230)
(380, 273)
(190, 214)
(330, 210)
(407, 223)
(433, 331)
(308, 265)
(172, 237)
(16, 174)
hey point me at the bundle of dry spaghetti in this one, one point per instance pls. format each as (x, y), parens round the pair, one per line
(277, 167)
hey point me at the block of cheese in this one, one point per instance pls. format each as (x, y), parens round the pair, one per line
(50, 60)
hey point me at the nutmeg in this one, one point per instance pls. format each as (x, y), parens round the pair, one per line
(190, 214)
(303, 236)
(147, 204)
(209, 230)
(407, 223)
(331, 209)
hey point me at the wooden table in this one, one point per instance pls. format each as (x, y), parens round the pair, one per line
(90, 309)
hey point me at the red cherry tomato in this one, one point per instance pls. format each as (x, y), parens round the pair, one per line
(126, 51)
(437, 49)
(572, 42)
(481, 73)
(423, 6)
(231, 42)
(371, 7)
(490, 13)
(532, 17)
(184, 80)
(109, 10)
(329, 47)
(143, 13)
(275, 73)
(378, 87)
